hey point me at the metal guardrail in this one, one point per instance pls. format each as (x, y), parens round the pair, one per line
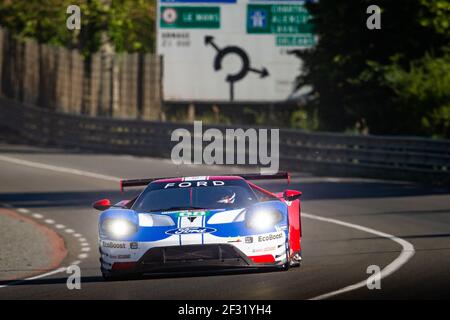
(399, 158)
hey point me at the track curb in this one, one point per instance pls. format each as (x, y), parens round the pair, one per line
(57, 251)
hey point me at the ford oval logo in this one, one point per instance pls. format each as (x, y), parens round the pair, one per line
(191, 230)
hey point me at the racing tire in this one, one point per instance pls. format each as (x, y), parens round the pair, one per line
(286, 266)
(107, 277)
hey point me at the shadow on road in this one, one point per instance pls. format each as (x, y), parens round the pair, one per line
(63, 199)
(311, 191)
(175, 275)
(357, 188)
(314, 188)
(11, 143)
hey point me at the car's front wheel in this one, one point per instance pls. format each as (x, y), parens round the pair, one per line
(107, 275)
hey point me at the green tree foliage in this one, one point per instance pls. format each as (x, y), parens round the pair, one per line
(132, 26)
(436, 15)
(393, 79)
(425, 89)
(43, 20)
(128, 23)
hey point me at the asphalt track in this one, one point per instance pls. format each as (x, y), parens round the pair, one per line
(403, 228)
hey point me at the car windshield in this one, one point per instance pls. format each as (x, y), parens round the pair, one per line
(230, 194)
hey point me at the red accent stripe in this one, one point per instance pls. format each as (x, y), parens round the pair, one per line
(267, 258)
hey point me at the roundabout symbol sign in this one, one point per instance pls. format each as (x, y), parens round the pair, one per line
(245, 66)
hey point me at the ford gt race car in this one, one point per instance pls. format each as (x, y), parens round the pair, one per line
(200, 223)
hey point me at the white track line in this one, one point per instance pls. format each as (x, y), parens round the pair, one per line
(63, 269)
(406, 254)
(59, 270)
(77, 172)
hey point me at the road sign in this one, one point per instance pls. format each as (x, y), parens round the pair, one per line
(190, 17)
(232, 50)
(278, 19)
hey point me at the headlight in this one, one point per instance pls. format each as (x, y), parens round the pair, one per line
(119, 228)
(263, 219)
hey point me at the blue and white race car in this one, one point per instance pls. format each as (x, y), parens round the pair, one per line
(199, 223)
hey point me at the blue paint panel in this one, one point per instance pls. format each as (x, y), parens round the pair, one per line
(236, 229)
(143, 233)
(239, 229)
(147, 234)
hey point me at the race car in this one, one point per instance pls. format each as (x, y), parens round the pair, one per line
(200, 223)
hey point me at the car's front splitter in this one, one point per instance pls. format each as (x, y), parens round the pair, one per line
(191, 258)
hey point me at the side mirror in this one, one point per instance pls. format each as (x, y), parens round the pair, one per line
(291, 195)
(102, 205)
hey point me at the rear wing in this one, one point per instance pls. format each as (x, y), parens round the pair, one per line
(252, 176)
